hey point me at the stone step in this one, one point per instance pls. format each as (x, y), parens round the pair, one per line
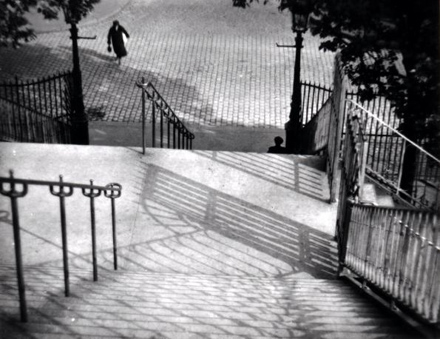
(376, 196)
(131, 304)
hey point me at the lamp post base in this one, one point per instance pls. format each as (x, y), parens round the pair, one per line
(293, 137)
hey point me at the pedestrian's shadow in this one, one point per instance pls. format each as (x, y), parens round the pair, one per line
(94, 54)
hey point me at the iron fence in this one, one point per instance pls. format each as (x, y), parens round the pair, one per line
(37, 110)
(18, 188)
(398, 251)
(174, 134)
(380, 106)
(352, 173)
(385, 156)
(313, 98)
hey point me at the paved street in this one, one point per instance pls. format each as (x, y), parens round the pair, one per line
(215, 64)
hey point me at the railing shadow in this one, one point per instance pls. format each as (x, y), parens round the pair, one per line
(250, 229)
(151, 305)
(302, 175)
(246, 265)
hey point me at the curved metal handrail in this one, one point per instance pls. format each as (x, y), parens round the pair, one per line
(154, 96)
(371, 115)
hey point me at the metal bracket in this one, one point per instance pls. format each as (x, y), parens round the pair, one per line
(91, 193)
(13, 192)
(112, 194)
(61, 193)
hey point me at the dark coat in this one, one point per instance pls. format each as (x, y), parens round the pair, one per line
(277, 149)
(115, 36)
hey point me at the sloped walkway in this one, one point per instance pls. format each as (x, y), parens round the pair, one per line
(211, 245)
(202, 211)
(157, 305)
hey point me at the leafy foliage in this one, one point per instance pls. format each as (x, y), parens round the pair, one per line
(14, 27)
(73, 10)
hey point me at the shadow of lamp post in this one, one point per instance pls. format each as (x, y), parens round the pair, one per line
(300, 12)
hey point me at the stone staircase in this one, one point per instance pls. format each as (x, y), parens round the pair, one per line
(142, 304)
(377, 196)
(210, 245)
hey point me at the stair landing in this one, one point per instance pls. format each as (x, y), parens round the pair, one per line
(211, 245)
(180, 211)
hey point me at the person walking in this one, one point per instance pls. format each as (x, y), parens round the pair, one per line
(115, 38)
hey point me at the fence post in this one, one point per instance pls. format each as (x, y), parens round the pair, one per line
(92, 195)
(343, 233)
(153, 122)
(14, 194)
(401, 162)
(112, 197)
(143, 116)
(62, 195)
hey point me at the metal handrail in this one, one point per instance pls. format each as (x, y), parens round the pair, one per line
(184, 137)
(62, 190)
(398, 251)
(394, 130)
(386, 155)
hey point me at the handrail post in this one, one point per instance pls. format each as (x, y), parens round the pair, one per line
(8, 189)
(401, 160)
(62, 195)
(92, 195)
(143, 116)
(343, 238)
(112, 197)
(153, 123)
(161, 131)
(14, 194)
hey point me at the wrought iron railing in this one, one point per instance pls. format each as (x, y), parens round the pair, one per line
(37, 110)
(353, 160)
(379, 106)
(352, 173)
(18, 188)
(335, 121)
(172, 131)
(315, 134)
(385, 155)
(397, 251)
(313, 98)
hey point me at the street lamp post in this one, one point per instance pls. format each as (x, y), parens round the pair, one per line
(294, 125)
(79, 120)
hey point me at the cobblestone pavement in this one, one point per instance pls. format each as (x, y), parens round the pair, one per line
(213, 63)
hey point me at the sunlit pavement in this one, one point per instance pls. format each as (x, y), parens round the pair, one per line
(210, 245)
(214, 64)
